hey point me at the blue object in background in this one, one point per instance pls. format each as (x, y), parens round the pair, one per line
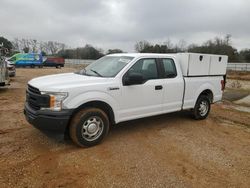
(27, 59)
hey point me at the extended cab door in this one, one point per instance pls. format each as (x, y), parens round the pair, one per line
(173, 85)
(145, 98)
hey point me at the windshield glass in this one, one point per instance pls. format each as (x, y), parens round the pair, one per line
(107, 66)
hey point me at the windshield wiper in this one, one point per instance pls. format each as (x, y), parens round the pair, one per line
(96, 72)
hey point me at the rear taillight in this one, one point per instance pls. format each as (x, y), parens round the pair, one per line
(222, 82)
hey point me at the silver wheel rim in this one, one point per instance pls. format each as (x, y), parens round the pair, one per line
(203, 108)
(92, 128)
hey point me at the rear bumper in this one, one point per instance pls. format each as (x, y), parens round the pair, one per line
(48, 120)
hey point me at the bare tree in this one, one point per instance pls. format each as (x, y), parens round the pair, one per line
(33, 45)
(54, 47)
(141, 45)
(228, 39)
(182, 45)
(168, 44)
(42, 47)
(15, 44)
(25, 43)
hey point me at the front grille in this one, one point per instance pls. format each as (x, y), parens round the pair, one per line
(33, 89)
(33, 105)
(35, 99)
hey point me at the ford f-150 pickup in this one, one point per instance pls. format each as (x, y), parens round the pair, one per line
(121, 87)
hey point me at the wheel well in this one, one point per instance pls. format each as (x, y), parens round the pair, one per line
(209, 94)
(98, 104)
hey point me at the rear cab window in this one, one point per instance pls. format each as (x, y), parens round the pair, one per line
(169, 68)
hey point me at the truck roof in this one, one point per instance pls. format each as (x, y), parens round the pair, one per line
(192, 64)
(144, 54)
(159, 54)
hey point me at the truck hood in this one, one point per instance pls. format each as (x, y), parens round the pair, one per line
(63, 82)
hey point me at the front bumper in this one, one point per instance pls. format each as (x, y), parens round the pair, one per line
(12, 73)
(48, 120)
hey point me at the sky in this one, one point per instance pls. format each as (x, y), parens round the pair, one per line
(110, 24)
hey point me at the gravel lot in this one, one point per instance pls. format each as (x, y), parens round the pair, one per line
(170, 150)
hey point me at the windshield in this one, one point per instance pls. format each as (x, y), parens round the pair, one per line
(107, 66)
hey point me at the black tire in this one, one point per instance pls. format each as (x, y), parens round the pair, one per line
(202, 108)
(32, 66)
(85, 122)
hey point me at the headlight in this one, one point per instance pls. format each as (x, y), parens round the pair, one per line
(56, 99)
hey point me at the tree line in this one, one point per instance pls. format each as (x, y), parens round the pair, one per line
(217, 45)
(51, 48)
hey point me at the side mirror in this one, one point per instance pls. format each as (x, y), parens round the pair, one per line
(133, 79)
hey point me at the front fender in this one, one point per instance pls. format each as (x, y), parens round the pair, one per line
(75, 102)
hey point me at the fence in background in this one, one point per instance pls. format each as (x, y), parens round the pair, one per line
(230, 66)
(238, 66)
(78, 61)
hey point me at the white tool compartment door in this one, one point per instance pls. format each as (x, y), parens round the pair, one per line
(218, 65)
(198, 65)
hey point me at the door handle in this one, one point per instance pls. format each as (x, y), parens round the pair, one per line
(158, 87)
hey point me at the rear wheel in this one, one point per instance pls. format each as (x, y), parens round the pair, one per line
(202, 107)
(88, 127)
(32, 66)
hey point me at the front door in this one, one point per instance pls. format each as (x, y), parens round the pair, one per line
(143, 99)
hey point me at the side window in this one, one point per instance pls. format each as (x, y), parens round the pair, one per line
(169, 67)
(146, 67)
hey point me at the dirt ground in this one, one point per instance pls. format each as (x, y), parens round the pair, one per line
(170, 150)
(238, 75)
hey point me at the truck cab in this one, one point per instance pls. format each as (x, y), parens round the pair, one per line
(121, 87)
(57, 62)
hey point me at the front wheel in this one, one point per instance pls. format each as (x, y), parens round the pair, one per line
(88, 127)
(202, 108)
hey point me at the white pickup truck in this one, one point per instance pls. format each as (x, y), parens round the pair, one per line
(121, 87)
